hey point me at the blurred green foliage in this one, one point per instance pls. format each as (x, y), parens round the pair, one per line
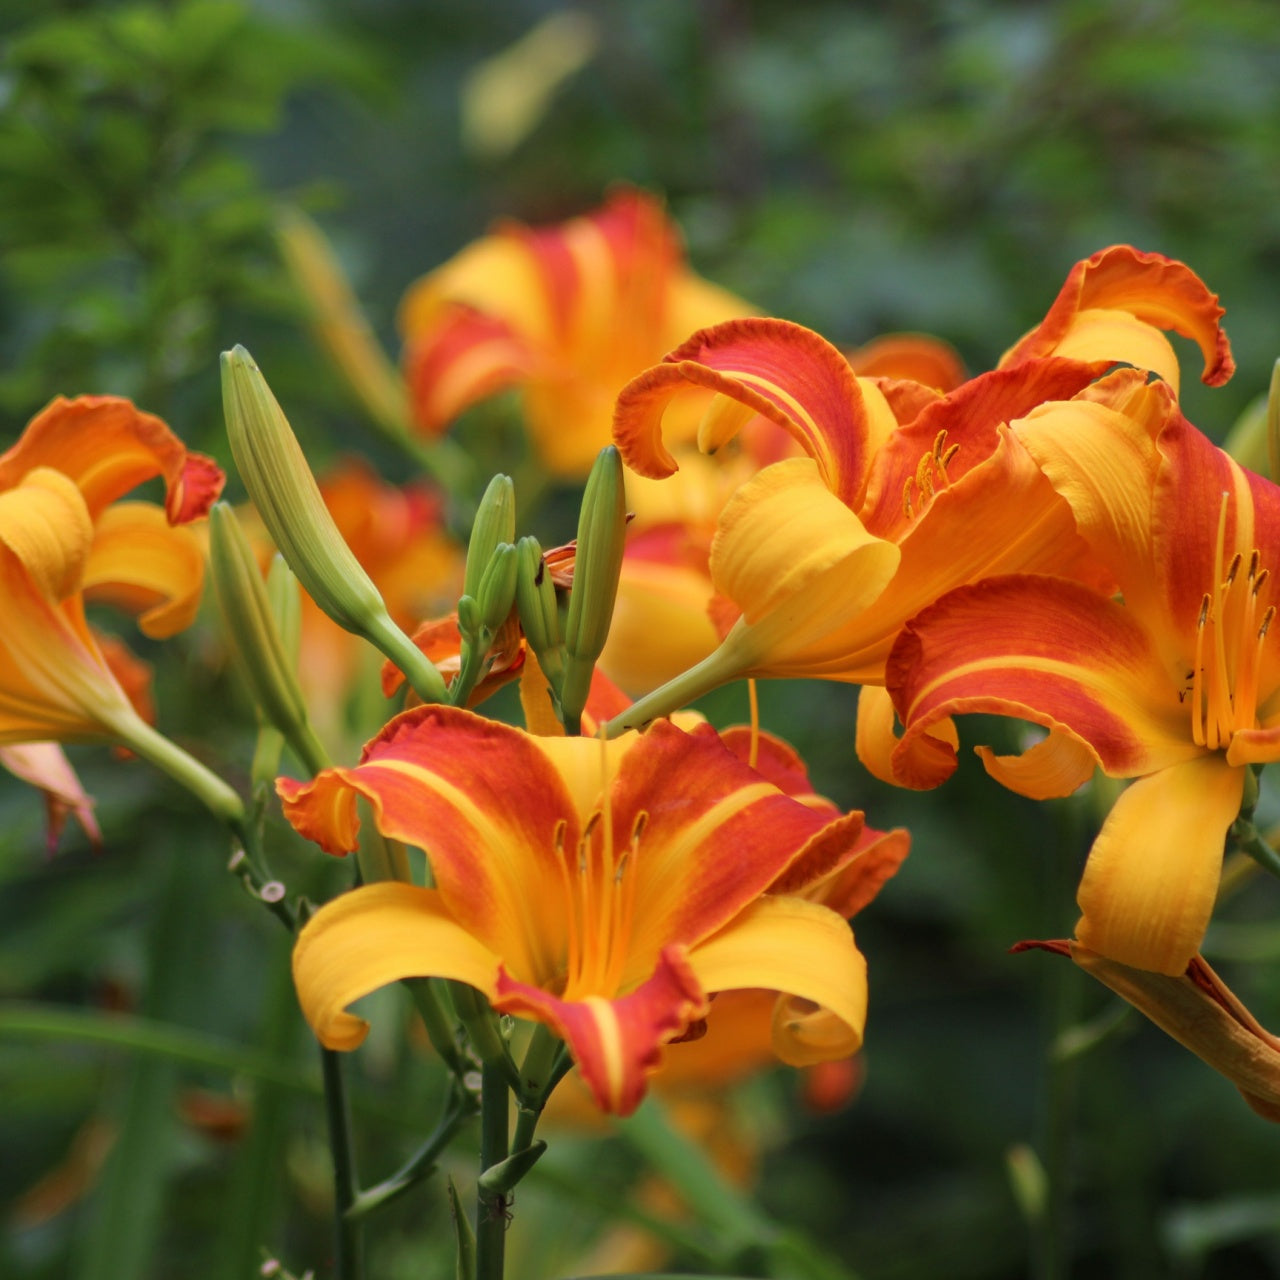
(860, 167)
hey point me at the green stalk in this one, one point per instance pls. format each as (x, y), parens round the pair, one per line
(348, 1231)
(206, 786)
(491, 1207)
(422, 1163)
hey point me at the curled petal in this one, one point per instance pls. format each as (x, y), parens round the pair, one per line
(1111, 307)
(878, 744)
(802, 950)
(1054, 766)
(373, 936)
(784, 372)
(1044, 650)
(1152, 876)
(108, 448)
(142, 563)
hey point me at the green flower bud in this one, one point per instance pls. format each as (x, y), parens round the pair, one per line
(469, 620)
(498, 588)
(258, 651)
(275, 472)
(539, 612)
(602, 531)
(495, 522)
(255, 645)
(286, 606)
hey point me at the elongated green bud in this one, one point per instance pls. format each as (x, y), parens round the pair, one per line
(265, 660)
(539, 613)
(602, 531)
(498, 588)
(249, 626)
(495, 523)
(286, 606)
(275, 472)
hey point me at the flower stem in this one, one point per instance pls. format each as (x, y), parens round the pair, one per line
(217, 796)
(460, 1107)
(491, 1207)
(348, 1230)
(718, 668)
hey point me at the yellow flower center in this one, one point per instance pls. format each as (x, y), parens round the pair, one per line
(931, 475)
(1230, 635)
(599, 886)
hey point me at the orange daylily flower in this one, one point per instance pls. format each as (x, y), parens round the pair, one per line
(667, 617)
(1175, 683)
(65, 539)
(566, 313)
(825, 556)
(608, 902)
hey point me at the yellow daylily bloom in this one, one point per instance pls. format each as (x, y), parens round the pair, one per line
(901, 493)
(567, 313)
(608, 903)
(64, 538)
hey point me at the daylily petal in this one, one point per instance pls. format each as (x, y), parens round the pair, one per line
(877, 742)
(45, 765)
(799, 949)
(797, 561)
(1054, 766)
(455, 784)
(1024, 528)
(855, 884)
(916, 357)
(1152, 875)
(660, 625)
(782, 371)
(142, 563)
(56, 683)
(1088, 318)
(703, 854)
(108, 448)
(496, 276)
(972, 417)
(1100, 456)
(616, 1043)
(464, 357)
(373, 936)
(1045, 650)
(45, 524)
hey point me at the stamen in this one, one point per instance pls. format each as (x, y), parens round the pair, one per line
(907, 509)
(753, 701)
(1230, 640)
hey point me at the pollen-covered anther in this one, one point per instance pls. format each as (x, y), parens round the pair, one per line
(1230, 639)
(930, 475)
